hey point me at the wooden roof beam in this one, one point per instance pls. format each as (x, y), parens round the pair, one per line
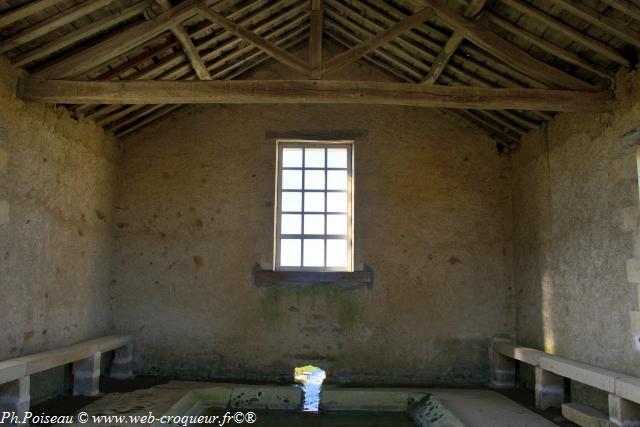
(601, 21)
(28, 9)
(309, 92)
(119, 43)
(78, 35)
(625, 6)
(376, 41)
(475, 8)
(52, 23)
(276, 52)
(315, 39)
(570, 32)
(549, 47)
(191, 52)
(480, 34)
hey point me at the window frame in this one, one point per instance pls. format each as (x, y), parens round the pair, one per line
(314, 143)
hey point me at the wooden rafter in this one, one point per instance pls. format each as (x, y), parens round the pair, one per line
(378, 40)
(28, 9)
(191, 52)
(119, 43)
(570, 32)
(309, 92)
(52, 23)
(596, 18)
(269, 48)
(315, 39)
(549, 47)
(78, 35)
(480, 34)
(625, 6)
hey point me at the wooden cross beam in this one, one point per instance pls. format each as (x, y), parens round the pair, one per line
(269, 48)
(358, 51)
(191, 52)
(309, 92)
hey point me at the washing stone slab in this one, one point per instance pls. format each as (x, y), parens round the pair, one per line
(287, 398)
(527, 355)
(353, 399)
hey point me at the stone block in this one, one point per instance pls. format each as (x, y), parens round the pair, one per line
(266, 397)
(549, 389)
(623, 413)
(122, 364)
(86, 376)
(11, 370)
(15, 398)
(585, 416)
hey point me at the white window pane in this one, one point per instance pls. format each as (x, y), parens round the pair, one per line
(291, 180)
(336, 224)
(291, 201)
(313, 253)
(337, 253)
(337, 158)
(336, 202)
(314, 202)
(314, 158)
(314, 180)
(291, 224)
(290, 252)
(314, 224)
(292, 157)
(337, 180)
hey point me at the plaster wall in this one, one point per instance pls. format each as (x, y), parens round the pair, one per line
(575, 210)
(56, 201)
(195, 216)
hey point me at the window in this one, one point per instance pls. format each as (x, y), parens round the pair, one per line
(314, 206)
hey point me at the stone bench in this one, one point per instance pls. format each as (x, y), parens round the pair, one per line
(551, 372)
(85, 356)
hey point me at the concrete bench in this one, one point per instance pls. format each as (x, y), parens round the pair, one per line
(85, 357)
(551, 372)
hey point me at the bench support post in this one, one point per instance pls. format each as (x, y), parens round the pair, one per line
(623, 412)
(549, 389)
(122, 366)
(15, 398)
(86, 376)
(503, 368)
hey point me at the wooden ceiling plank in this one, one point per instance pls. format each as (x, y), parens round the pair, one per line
(80, 34)
(480, 34)
(549, 47)
(570, 32)
(377, 41)
(309, 92)
(272, 50)
(609, 25)
(151, 118)
(625, 6)
(31, 8)
(119, 43)
(52, 23)
(315, 39)
(191, 52)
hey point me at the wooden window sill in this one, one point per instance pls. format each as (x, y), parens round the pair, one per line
(346, 280)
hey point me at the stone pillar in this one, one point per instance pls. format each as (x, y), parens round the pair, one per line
(86, 376)
(122, 366)
(623, 412)
(15, 398)
(503, 368)
(549, 389)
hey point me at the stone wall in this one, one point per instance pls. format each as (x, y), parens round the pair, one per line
(56, 203)
(195, 216)
(575, 209)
